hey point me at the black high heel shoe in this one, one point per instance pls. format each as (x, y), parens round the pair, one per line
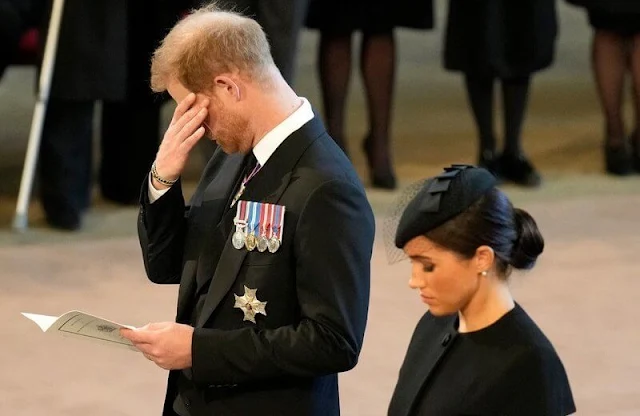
(382, 180)
(518, 169)
(617, 159)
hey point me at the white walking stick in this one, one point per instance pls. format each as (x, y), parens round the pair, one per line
(20, 220)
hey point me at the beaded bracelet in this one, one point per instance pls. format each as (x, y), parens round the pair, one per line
(160, 179)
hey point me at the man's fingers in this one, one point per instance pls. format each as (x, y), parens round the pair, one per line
(176, 126)
(192, 125)
(137, 336)
(147, 349)
(192, 140)
(189, 123)
(183, 106)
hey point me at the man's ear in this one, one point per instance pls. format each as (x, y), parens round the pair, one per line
(225, 85)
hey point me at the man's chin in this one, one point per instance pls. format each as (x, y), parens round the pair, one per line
(225, 148)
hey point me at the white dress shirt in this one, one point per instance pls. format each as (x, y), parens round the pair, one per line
(268, 144)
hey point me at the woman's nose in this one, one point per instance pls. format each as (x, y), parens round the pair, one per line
(415, 282)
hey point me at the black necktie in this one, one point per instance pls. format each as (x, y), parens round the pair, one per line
(250, 164)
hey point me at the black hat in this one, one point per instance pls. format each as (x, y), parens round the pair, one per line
(442, 198)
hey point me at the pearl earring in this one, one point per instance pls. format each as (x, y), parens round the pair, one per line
(484, 273)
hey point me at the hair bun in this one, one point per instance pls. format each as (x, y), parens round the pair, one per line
(529, 243)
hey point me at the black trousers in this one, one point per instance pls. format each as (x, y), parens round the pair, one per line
(129, 140)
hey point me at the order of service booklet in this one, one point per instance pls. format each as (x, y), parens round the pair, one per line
(82, 325)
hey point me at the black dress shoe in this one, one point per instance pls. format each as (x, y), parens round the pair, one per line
(385, 181)
(67, 222)
(617, 159)
(519, 170)
(380, 178)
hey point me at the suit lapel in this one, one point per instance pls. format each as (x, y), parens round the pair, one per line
(207, 209)
(266, 186)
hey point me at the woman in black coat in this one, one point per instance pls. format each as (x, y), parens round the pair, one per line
(615, 51)
(337, 20)
(476, 352)
(506, 40)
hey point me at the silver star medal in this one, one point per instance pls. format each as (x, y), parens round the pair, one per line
(250, 305)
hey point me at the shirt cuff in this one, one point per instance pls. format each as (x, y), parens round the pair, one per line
(155, 194)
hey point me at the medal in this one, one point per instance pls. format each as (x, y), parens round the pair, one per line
(238, 238)
(263, 243)
(251, 241)
(273, 244)
(277, 219)
(250, 305)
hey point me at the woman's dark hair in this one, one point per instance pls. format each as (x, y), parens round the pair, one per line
(493, 221)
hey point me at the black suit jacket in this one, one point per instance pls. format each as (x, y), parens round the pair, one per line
(316, 286)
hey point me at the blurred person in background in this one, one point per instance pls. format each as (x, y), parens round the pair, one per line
(336, 21)
(506, 41)
(616, 53)
(90, 65)
(127, 153)
(282, 21)
(103, 54)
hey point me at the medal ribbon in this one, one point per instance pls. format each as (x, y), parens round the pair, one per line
(251, 175)
(241, 214)
(278, 218)
(246, 179)
(263, 219)
(281, 224)
(254, 216)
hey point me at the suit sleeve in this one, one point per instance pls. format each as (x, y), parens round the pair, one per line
(332, 245)
(161, 231)
(536, 384)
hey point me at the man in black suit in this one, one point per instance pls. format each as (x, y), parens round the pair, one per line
(273, 252)
(90, 65)
(104, 47)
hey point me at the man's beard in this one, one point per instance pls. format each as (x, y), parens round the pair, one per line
(233, 133)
